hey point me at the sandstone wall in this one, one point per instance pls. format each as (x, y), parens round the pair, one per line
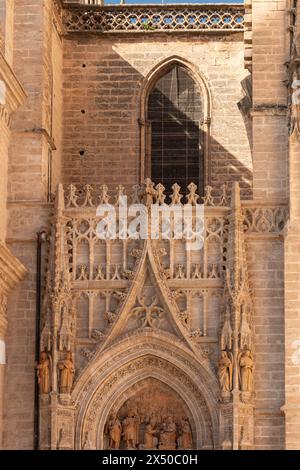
(102, 83)
(33, 165)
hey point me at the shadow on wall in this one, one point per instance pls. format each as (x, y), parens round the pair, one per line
(102, 128)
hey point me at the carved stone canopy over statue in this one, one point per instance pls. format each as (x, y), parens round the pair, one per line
(226, 335)
(67, 371)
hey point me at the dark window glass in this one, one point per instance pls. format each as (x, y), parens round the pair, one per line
(175, 113)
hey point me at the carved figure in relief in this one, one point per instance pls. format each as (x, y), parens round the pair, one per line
(130, 431)
(67, 373)
(225, 371)
(246, 371)
(43, 373)
(185, 440)
(114, 432)
(150, 441)
(167, 438)
(62, 438)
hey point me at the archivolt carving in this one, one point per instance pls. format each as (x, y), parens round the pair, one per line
(114, 303)
(157, 343)
(135, 370)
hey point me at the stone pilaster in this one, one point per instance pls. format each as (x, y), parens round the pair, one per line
(11, 272)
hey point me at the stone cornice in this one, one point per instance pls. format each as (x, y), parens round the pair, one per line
(12, 270)
(15, 93)
(269, 109)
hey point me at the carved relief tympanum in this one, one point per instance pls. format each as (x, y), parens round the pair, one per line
(154, 418)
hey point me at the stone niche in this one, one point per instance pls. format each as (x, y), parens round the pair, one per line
(153, 417)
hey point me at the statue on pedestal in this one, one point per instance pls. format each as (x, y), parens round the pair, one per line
(67, 373)
(43, 373)
(225, 372)
(246, 371)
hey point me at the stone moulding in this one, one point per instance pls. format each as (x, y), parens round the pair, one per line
(12, 270)
(153, 18)
(15, 94)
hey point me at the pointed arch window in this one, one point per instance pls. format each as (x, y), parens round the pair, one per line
(176, 137)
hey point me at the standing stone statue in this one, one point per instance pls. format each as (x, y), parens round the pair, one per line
(150, 441)
(67, 373)
(130, 431)
(246, 371)
(167, 438)
(114, 432)
(43, 373)
(185, 440)
(225, 372)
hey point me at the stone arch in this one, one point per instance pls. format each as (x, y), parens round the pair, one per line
(110, 377)
(149, 81)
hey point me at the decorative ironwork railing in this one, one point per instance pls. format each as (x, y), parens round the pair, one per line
(153, 18)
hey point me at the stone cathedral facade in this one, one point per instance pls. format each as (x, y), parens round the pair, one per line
(143, 343)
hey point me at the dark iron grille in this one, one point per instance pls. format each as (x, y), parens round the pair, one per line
(175, 113)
